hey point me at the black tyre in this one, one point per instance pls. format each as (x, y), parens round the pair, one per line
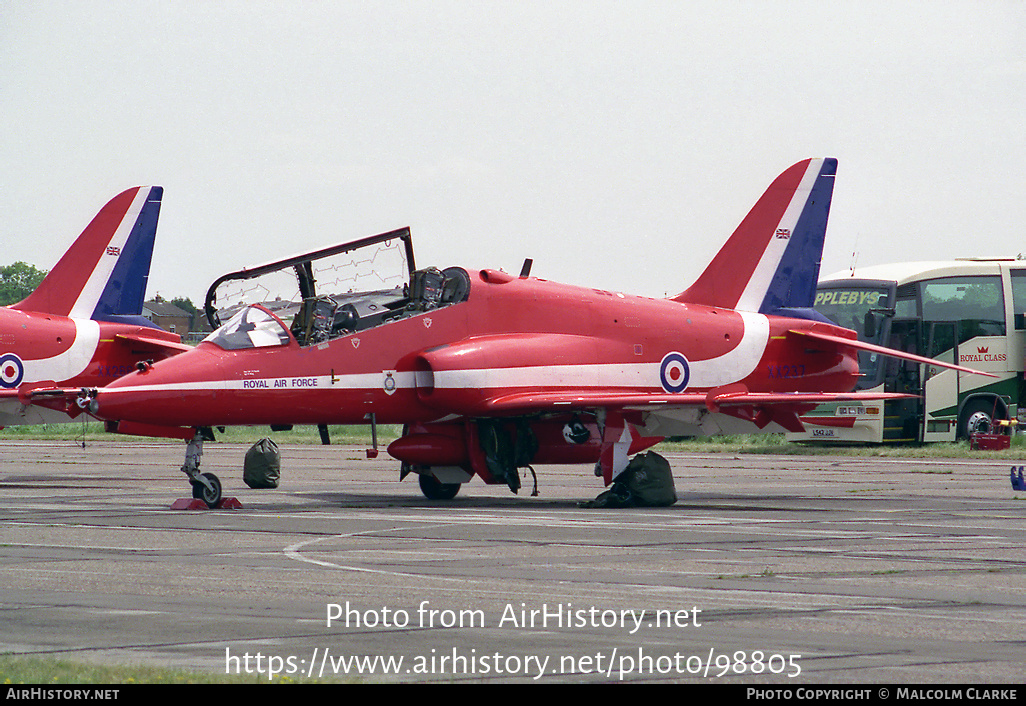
(977, 416)
(202, 492)
(434, 489)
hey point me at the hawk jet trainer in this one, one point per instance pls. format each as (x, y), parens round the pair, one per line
(490, 372)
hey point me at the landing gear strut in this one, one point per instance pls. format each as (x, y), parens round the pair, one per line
(205, 486)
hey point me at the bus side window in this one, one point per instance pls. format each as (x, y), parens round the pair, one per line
(1019, 298)
(976, 302)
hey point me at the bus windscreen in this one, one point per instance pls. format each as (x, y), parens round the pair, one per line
(853, 307)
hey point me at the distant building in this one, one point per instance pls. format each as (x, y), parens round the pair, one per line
(167, 316)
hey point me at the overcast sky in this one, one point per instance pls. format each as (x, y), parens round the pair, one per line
(616, 143)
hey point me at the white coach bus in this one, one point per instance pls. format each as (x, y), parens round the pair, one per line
(969, 311)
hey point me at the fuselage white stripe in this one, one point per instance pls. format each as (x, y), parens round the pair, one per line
(72, 362)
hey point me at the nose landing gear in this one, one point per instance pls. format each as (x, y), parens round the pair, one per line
(205, 486)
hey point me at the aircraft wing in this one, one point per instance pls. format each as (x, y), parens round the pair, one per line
(731, 396)
(9, 394)
(35, 403)
(13, 412)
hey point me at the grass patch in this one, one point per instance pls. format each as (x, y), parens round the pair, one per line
(360, 435)
(43, 671)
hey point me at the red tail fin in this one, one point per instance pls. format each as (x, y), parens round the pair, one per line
(772, 260)
(104, 272)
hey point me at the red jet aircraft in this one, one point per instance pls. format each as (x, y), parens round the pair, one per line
(83, 326)
(491, 372)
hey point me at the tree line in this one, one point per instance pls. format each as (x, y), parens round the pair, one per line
(17, 281)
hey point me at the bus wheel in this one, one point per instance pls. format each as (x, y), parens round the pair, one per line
(976, 418)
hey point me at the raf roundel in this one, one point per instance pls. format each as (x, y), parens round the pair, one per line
(11, 370)
(674, 372)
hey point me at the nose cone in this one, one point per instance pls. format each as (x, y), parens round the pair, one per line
(178, 391)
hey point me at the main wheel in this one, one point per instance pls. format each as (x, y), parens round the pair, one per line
(434, 489)
(976, 417)
(202, 492)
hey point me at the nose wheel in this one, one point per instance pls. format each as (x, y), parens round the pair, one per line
(208, 489)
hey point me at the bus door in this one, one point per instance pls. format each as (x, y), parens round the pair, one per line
(941, 385)
(901, 416)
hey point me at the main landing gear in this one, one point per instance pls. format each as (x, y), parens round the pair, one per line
(434, 489)
(205, 486)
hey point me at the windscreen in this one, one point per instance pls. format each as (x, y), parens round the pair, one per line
(253, 327)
